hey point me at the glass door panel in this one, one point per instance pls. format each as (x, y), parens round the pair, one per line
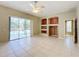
(14, 28)
(21, 28)
(28, 27)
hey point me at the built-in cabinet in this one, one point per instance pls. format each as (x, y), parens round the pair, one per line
(44, 26)
(49, 26)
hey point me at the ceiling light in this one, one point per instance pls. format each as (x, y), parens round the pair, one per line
(35, 10)
(35, 7)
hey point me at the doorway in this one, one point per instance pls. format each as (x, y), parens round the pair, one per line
(69, 27)
(20, 28)
(69, 37)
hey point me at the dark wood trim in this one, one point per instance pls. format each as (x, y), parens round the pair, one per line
(76, 37)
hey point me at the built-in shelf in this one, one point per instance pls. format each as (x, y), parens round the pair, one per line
(53, 20)
(43, 25)
(53, 30)
(44, 29)
(50, 26)
(53, 25)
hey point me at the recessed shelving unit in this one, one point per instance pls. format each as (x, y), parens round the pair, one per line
(53, 26)
(50, 26)
(44, 26)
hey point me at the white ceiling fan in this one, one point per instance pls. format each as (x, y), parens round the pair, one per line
(36, 8)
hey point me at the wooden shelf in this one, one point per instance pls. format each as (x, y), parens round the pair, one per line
(43, 25)
(44, 29)
(53, 24)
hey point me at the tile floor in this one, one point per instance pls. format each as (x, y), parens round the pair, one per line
(40, 46)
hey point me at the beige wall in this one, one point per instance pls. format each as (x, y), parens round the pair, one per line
(4, 21)
(78, 21)
(69, 15)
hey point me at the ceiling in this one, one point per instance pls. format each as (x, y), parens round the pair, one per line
(50, 7)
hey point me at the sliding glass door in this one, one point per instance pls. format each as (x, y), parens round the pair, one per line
(24, 28)
(19, 28)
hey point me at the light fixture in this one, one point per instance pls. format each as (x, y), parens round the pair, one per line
(35, 7)
(36, 10)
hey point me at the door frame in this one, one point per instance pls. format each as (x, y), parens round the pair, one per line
(9, 29)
